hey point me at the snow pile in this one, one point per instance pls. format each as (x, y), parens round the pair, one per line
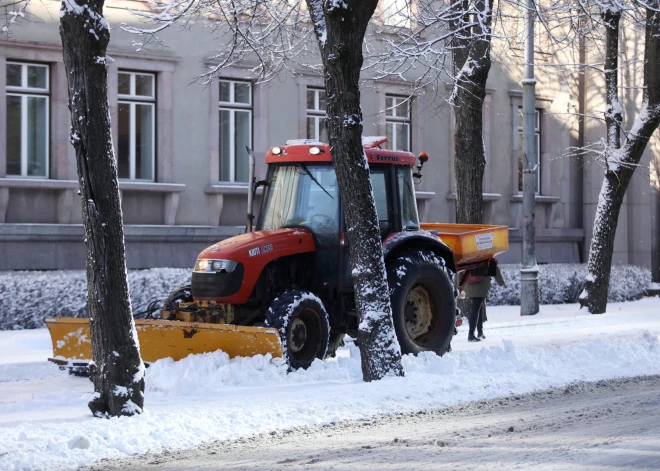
(209, 397)
(27, 298)
(562, 283)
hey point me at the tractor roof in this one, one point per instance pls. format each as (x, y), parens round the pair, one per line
(300, 151)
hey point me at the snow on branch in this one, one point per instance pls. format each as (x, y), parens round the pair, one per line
(264, 35)
(318, 19)
(420, 41)
(12, 11)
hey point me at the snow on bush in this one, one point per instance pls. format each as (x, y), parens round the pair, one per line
(562, 283)
(28, 297)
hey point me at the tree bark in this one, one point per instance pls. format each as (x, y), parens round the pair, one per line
(471, 51)
(340, 26)
(621, 162)
(117, 371)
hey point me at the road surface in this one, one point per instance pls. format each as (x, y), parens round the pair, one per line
(613, 425)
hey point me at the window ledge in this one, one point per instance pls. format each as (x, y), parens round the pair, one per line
(425, 195)
(424, 203)
(171, 190)
(548, 202)
(152, 187)
(64, 189)
(42, 183)
(229, 189)
(217, 192)
(540, 199)
(485, 196)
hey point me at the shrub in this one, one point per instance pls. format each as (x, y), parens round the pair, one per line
(562, 283)
(27, 298)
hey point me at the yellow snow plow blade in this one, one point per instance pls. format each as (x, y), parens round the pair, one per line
(162, 339)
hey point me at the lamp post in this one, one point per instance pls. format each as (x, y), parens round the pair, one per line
(529, 274)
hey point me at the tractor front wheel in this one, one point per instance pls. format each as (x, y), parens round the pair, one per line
(423, 302)
(302, 322)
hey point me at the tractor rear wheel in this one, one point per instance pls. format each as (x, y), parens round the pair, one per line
(423, 302)
(302, 322)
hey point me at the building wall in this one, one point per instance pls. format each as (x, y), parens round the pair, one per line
(187, 207)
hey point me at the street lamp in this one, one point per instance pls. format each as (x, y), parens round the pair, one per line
(529, 274)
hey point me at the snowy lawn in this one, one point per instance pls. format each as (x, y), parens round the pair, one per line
(45, 423)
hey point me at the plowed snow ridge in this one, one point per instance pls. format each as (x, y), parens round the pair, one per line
(45, 423)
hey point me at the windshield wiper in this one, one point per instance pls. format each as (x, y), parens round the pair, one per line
(304, 167)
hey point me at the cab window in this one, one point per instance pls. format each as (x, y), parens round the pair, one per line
(381, 187)
(407, 202)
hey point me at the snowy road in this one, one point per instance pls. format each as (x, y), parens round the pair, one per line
(611, 424)
(202, 399)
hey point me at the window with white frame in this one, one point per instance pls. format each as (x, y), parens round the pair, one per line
(396, 13)
(397, 122)
(316, 104)
(27, 119)
(136, 149)
(235, 129)
(537, 148)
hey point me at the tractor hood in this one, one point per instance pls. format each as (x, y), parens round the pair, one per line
(270, 244)
(253, 251)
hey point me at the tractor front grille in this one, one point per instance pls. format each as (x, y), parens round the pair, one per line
(217, 285)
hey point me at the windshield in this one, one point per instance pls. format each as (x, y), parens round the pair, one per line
(299, 195)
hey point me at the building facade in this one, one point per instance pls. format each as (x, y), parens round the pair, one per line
(180, 148)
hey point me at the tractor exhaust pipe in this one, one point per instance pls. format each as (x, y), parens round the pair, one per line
(250, 203)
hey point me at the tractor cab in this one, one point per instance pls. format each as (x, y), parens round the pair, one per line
(301, 190)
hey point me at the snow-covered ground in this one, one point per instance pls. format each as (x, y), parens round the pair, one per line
(45, 423)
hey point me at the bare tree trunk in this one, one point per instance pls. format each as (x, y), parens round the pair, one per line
(621, 162)
(340, 26)
(613, 113)
(118, 371)
(471, 51)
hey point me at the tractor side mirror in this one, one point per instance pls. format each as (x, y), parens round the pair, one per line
(423, 158)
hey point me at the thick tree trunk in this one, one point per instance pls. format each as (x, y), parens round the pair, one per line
(118, 371)
(340, 27)
(472, 62)
(613, 113)
(621, 162)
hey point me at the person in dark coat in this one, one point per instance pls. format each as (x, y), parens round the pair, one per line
(477, 290)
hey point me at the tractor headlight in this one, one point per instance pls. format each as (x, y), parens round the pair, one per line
(219, 266)
(202, 265)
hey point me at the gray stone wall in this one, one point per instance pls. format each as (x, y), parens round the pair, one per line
(187, 193)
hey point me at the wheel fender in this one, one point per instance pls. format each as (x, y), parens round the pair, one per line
(418, 240)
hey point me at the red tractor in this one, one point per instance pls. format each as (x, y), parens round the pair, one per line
(286, 288)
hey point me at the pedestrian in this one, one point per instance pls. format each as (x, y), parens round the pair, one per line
(477, 290)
